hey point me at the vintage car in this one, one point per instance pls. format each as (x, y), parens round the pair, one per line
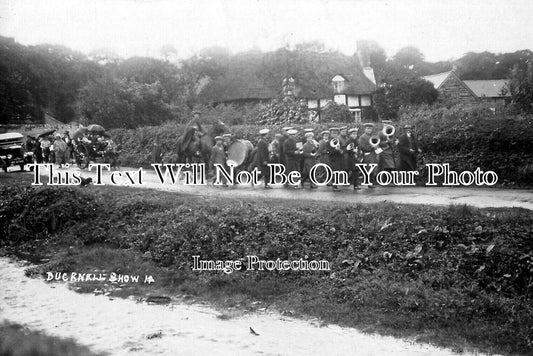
(12, 151)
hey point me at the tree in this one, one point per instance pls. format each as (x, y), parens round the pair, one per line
(113, 102)
(168, 51)
(521, 86)
(409, 57)
(403, 90)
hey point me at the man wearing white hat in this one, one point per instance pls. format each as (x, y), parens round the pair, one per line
(262, 156)
(309, 158)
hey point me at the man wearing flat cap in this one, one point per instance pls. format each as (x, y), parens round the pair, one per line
(292, 154)
(408, 148)
(262, 156)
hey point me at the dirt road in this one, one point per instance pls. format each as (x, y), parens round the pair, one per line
(124, 327)
(478, 197)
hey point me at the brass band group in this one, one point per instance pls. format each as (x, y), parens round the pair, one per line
(340, 148)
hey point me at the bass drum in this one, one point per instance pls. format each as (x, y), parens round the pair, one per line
(239, 153)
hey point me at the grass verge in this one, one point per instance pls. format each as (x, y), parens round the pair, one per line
(458, 276)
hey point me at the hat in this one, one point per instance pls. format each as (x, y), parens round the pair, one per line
(278, 135)
(309, 134)
(336, 129)
(325, 132)
(264, 131)
(226, 135)
(287, 128)
(218, 138)
(407, 127)
(368, 124)
(353, 130)
(292, 132)
(309, 130)
(343, 128)
(386, 122)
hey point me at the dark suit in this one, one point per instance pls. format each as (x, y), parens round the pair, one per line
(369, 154)
(261, 158)
(407, 157)
(282, 157)
(292, 159)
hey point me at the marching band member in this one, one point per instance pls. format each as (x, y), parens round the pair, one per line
(274, 149)
(292, 154)
(323, 148)
(226, 140)
(352, 151)
(335, 153)
(262, 156)
(309, 150)
(386, 143)
(369, 152)
(343, 138)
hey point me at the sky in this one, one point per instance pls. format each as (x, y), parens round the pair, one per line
(442, 30)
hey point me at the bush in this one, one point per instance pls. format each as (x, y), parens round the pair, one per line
(37, 213)
(471, 136)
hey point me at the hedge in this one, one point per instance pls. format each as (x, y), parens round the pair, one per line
(467, 137)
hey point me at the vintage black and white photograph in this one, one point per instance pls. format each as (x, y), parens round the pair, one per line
(266, 177)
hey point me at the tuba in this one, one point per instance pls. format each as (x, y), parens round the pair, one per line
(374, 141)
(335, 143)
(388, 130)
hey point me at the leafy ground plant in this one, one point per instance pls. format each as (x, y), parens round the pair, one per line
(455, 276)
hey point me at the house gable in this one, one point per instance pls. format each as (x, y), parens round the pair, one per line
(450, 85)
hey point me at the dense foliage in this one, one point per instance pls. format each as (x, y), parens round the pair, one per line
(474, 136)
(463, 271)
(467, 137)
(102, 88)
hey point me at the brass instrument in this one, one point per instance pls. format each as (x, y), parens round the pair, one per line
(300, 147)
(374, 141)
(335, 143)
(350, 146)
(388, 130)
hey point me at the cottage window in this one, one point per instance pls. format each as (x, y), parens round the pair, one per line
(340, 99)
